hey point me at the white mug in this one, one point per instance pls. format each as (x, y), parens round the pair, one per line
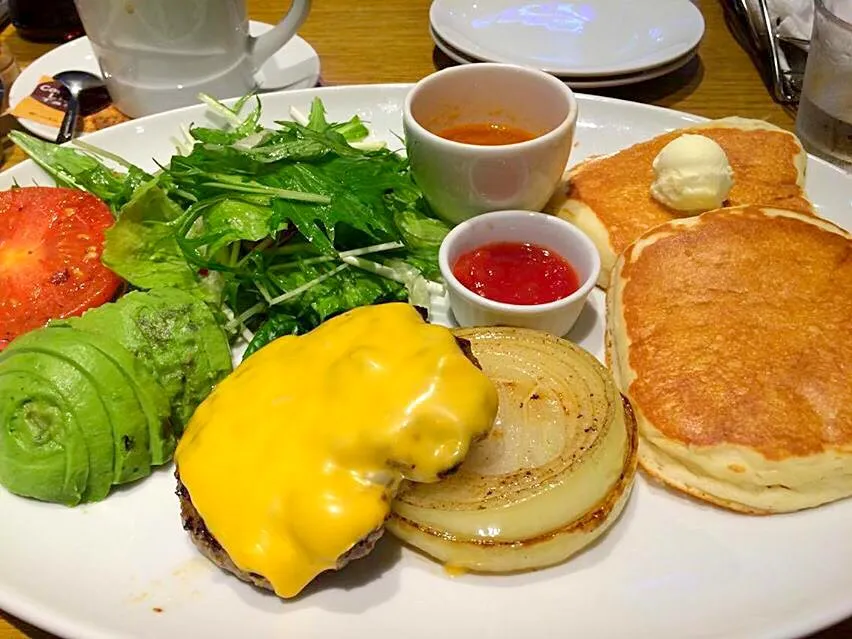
(157, 55)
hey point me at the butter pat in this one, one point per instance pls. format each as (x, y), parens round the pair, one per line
(692, 174)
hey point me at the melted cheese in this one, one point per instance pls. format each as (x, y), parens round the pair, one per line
(296, 455)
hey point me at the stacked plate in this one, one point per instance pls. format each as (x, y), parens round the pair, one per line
(588, 44)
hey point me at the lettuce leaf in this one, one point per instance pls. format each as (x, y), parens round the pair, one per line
(142, 247)
(276, 325)
(76, 169)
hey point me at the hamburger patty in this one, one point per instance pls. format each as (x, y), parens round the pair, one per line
(207, 544)
(210, 548)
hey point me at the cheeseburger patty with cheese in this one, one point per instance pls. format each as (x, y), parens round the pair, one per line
(289, 467)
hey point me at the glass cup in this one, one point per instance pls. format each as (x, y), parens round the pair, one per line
(824, 121)
(45, 20)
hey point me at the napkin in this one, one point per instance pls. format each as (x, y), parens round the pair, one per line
(794, 19)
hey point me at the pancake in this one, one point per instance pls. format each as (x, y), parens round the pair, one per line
(731, 333)
(609, 198)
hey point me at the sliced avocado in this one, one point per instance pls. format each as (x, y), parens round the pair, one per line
(112, 321)
(58, 404)
(172, 332)
(117, 321)
(150, 394)
(42, 451)
(171, 322)
(129, 426)
(212, 337)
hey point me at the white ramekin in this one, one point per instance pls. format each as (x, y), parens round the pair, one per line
(544, 230)
(462, 180)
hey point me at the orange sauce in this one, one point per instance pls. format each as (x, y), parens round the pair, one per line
(486, 134)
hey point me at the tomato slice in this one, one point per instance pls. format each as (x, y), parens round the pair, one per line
(51, 241)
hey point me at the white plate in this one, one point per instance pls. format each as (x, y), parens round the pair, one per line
(591, 37)
(671, 568)
(584, 82)
(295, 66)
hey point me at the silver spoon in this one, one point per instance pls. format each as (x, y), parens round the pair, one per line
(76, 82)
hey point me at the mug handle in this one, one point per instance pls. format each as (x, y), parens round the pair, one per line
(261, 48)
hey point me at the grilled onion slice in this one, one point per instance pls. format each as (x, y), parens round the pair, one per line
(552, 475)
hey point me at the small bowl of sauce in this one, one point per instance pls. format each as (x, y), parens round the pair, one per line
(518, 268)
(487, 137)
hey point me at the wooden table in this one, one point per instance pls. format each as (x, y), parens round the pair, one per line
(375, 41)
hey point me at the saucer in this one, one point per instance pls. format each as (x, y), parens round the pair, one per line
(295, 66)
(586, 38)
(583, 82)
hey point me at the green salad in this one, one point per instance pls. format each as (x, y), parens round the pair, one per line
(277, 228)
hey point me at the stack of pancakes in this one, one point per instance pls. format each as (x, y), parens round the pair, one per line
(609, 198)
(731, 331)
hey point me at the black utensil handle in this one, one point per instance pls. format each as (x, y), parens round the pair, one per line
(69, 122)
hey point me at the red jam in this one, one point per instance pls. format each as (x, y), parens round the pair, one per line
(516, 273)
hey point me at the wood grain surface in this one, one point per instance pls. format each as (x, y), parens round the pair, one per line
(377, 41)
